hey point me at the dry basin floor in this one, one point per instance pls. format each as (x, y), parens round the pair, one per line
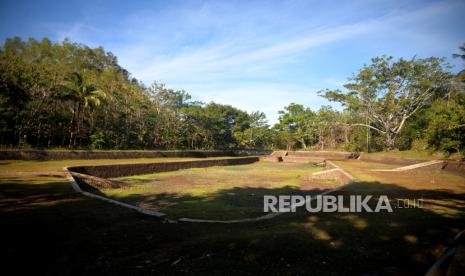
(219, 192)
(57, 231)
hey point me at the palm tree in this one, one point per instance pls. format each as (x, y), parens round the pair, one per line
(460, 83)
(82, 95)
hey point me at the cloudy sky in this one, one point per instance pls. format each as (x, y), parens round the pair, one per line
(255, 55)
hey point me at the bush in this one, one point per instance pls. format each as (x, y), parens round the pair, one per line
(446, 127)
(419, 144)
(97, 140)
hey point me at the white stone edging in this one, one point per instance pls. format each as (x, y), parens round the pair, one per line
(77, 188)
(326, 171)
(411, 167)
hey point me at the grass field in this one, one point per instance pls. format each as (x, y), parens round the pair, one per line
(221, 192)
(414, 154)
(25, 167)
(51, 229)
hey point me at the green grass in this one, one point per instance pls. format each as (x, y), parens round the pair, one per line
(51, 229)
(423, 179)
(414, 154)
(221, 192)
(21, 166)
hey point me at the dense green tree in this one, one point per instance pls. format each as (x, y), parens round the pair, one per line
(445, 119)
(82, 95)
(68, 94)
(255, 132)
(446, 125)
(389, 92)
(299, 122)
(65, 94)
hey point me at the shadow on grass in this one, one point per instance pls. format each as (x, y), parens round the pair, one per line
(224, 204)
(56, 231)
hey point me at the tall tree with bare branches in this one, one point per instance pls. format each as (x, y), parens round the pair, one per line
(389, 92)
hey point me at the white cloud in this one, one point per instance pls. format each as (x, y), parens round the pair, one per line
(238, 55)
(226, 60)
(232, 54)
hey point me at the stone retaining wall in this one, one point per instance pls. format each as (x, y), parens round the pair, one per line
(390, 160)
(119, 170)
(331, 165)
(83, 154)
(334, 173)
(333, 155)
(83, 182)
(447, 165)
(308, 156)
(90, 183)
(302, 159)
(272, 158)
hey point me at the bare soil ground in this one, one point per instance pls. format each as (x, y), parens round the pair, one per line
(56, 231)
(221, 192)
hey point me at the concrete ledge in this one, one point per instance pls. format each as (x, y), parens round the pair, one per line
(307, 156)
(331, 165)
(333, 155)
(429, 165)
(279, 153)
(80, 180)
(334, 173)
(302, 159)
(272, 158)
(275, 156)
(441, 164)
(264, 217)
(78, 189)
(120, 170)
(89, 182)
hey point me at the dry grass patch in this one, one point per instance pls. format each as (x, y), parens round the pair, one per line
(220, 192)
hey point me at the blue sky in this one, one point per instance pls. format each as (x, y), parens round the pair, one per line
(255, 55)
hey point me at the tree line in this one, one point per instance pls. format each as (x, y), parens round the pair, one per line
(69, 95)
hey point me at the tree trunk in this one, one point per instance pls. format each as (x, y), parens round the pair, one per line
(391, 140)
(71, 127)
(302, 141)
(78, 124)
(39, 133)
(22, 138)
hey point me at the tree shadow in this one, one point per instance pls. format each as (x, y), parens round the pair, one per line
(409, 239)
(58, 231)
(224, 204)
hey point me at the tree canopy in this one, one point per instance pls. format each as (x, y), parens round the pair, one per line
(66, 94)
(389, 92)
